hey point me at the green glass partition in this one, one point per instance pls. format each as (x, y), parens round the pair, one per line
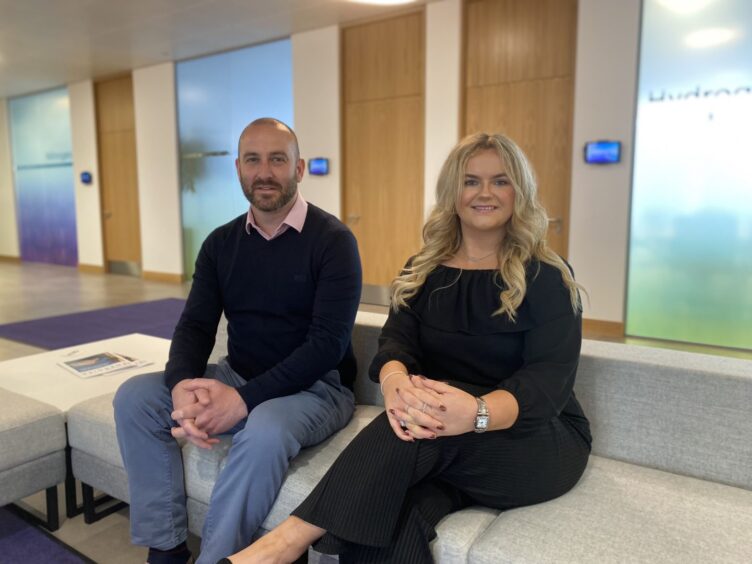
(690, 255)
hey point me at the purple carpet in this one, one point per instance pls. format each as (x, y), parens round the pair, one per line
(157, 318)
(23, 542)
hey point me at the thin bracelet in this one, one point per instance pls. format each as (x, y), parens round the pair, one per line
(385, 378)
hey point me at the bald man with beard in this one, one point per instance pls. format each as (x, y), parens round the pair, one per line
(287, 277)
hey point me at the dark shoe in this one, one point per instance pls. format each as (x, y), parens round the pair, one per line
(178, 555)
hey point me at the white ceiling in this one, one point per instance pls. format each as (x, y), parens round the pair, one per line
(47, 43)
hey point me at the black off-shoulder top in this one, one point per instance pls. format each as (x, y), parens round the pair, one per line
(449, 332)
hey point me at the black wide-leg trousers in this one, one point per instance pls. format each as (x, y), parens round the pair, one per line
(382, 498)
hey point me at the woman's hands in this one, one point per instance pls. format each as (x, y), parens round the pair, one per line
(407, 406)
(458, 417)
(420, 408)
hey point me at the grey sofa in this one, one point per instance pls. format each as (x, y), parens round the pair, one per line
(670, 479)
(32, 451)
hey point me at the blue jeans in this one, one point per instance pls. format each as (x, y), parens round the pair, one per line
(262, 446)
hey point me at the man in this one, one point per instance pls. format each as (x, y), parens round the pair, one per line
(287, 276)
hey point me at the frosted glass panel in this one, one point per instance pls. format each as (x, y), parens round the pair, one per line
(43, 173)
(690, 271)
(217, 97)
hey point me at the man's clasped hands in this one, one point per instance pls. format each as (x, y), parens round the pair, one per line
(205, 408)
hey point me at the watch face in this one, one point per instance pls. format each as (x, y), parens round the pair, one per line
(481, 422)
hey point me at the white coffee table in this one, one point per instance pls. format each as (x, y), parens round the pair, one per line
(39, 376)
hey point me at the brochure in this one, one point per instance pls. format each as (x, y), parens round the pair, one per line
(101, 363)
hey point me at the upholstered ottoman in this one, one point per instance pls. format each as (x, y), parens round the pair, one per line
(95, 455)
(32, 443)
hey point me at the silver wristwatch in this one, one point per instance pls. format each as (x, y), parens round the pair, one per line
(481, 418)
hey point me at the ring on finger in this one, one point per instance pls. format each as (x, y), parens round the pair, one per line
(423, 407)
(403, 424)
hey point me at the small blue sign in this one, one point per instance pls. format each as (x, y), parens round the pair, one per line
(318, 166)
(602, 152)
(86, 178)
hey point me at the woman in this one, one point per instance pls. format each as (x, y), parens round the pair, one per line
(484, 334)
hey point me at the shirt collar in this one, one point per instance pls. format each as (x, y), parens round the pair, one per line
(295, 218)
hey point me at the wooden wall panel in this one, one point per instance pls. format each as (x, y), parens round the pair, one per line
(384, 178)
(116, 137)
(114, 101)
(519, 80)
(383, 123)
(537, 114)
(117, 150)
(384, 59)
(510, 40)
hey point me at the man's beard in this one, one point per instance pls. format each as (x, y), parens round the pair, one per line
(284, 194)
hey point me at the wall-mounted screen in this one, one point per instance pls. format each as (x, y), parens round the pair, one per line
(602, 152)
(318, 166)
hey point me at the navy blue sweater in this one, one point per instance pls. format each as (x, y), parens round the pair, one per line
(290, 305)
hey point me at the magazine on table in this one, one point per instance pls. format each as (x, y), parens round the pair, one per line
(101, 363)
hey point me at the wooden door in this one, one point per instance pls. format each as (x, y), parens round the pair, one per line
(116, 131)
(519, 80)
(383, 83)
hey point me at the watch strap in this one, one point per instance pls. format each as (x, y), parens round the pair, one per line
(481, 416)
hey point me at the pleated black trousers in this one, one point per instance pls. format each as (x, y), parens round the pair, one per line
(382, 498)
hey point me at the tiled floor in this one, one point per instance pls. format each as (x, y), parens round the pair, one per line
(32, 291)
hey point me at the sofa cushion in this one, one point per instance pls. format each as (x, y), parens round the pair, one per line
(677, 411)
(91, 428)
(29, 429)
(458, 531)
(621, 512)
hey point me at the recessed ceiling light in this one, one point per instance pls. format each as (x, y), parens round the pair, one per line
(383, 2)
(709, 37)
(685, 7)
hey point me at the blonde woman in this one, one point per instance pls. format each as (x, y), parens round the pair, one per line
(476, 362)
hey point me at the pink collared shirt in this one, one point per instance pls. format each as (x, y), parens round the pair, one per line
(295, 218)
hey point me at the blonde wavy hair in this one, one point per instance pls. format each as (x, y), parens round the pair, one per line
(523, 242)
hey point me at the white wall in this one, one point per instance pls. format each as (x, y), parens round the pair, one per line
(316, 95)
(8, 221)
(88, 206)
(443, 54)
(605, 90)
(158, 172)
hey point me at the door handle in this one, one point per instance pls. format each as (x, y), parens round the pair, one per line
(557, 223)
(202, 154)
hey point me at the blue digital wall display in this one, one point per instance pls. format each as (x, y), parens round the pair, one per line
(318, 166)
(602, 152)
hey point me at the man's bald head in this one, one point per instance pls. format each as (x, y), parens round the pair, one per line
(275, 123)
